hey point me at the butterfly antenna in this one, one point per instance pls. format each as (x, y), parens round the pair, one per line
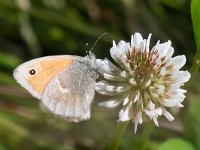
(97, 40)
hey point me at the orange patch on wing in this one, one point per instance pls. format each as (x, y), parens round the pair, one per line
(48, 69)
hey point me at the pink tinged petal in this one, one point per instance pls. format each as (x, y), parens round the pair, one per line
(112, 103)
(155, 121)
(185, 76)
(97, 88)
(99, 63)
(148, 83)
(106, 68)
(148, 42)
(142, 45)
(120, 89)
(171, 102)
(167, 114)
(117, 55)
(182, 91)
(125, 114)
(124, 74)
(123, 47)
(109, 77)
(153, 112)
(136, 40)
(132, 42)
(149, 113)
(113, 52)
(100, 87)
(160, 49)
(121, 51)
(180, 105)
(138, 119)
(135, 126)
(113, 77)
(158, 111)
(114, 49)
(137, 96)
(177, 94)
(181, 76)
(178, 61)
(164, 49)
(123, 88)
(132, 81)
(110, 88)
(151, 105)
(109, 67)
(126, 100)
(102, 83)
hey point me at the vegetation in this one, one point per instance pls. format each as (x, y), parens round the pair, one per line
(35, 28)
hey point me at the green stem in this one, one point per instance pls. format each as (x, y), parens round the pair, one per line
(196, 63)
(118, 133)
(143, 140)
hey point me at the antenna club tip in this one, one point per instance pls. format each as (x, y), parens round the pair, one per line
(98, 40)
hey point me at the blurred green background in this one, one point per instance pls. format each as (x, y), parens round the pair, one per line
(34, 28)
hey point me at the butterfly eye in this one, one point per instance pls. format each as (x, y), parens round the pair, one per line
(32, 72)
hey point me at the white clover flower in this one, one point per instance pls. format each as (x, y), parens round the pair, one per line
(144, 81)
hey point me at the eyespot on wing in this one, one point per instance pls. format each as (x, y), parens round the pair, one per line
(45, 69)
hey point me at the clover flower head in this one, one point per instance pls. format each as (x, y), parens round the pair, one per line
(143, 82)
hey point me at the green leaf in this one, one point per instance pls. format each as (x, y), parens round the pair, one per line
(195, 11)
(176, 144)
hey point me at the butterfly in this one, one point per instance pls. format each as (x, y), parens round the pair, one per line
(64, 83)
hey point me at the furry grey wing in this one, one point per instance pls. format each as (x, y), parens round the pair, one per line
(70, 93)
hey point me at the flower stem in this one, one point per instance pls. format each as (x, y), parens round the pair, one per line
(196, 63)
(118, 133)
(144, 137)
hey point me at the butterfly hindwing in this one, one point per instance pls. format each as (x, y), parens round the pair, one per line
(70, 93)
